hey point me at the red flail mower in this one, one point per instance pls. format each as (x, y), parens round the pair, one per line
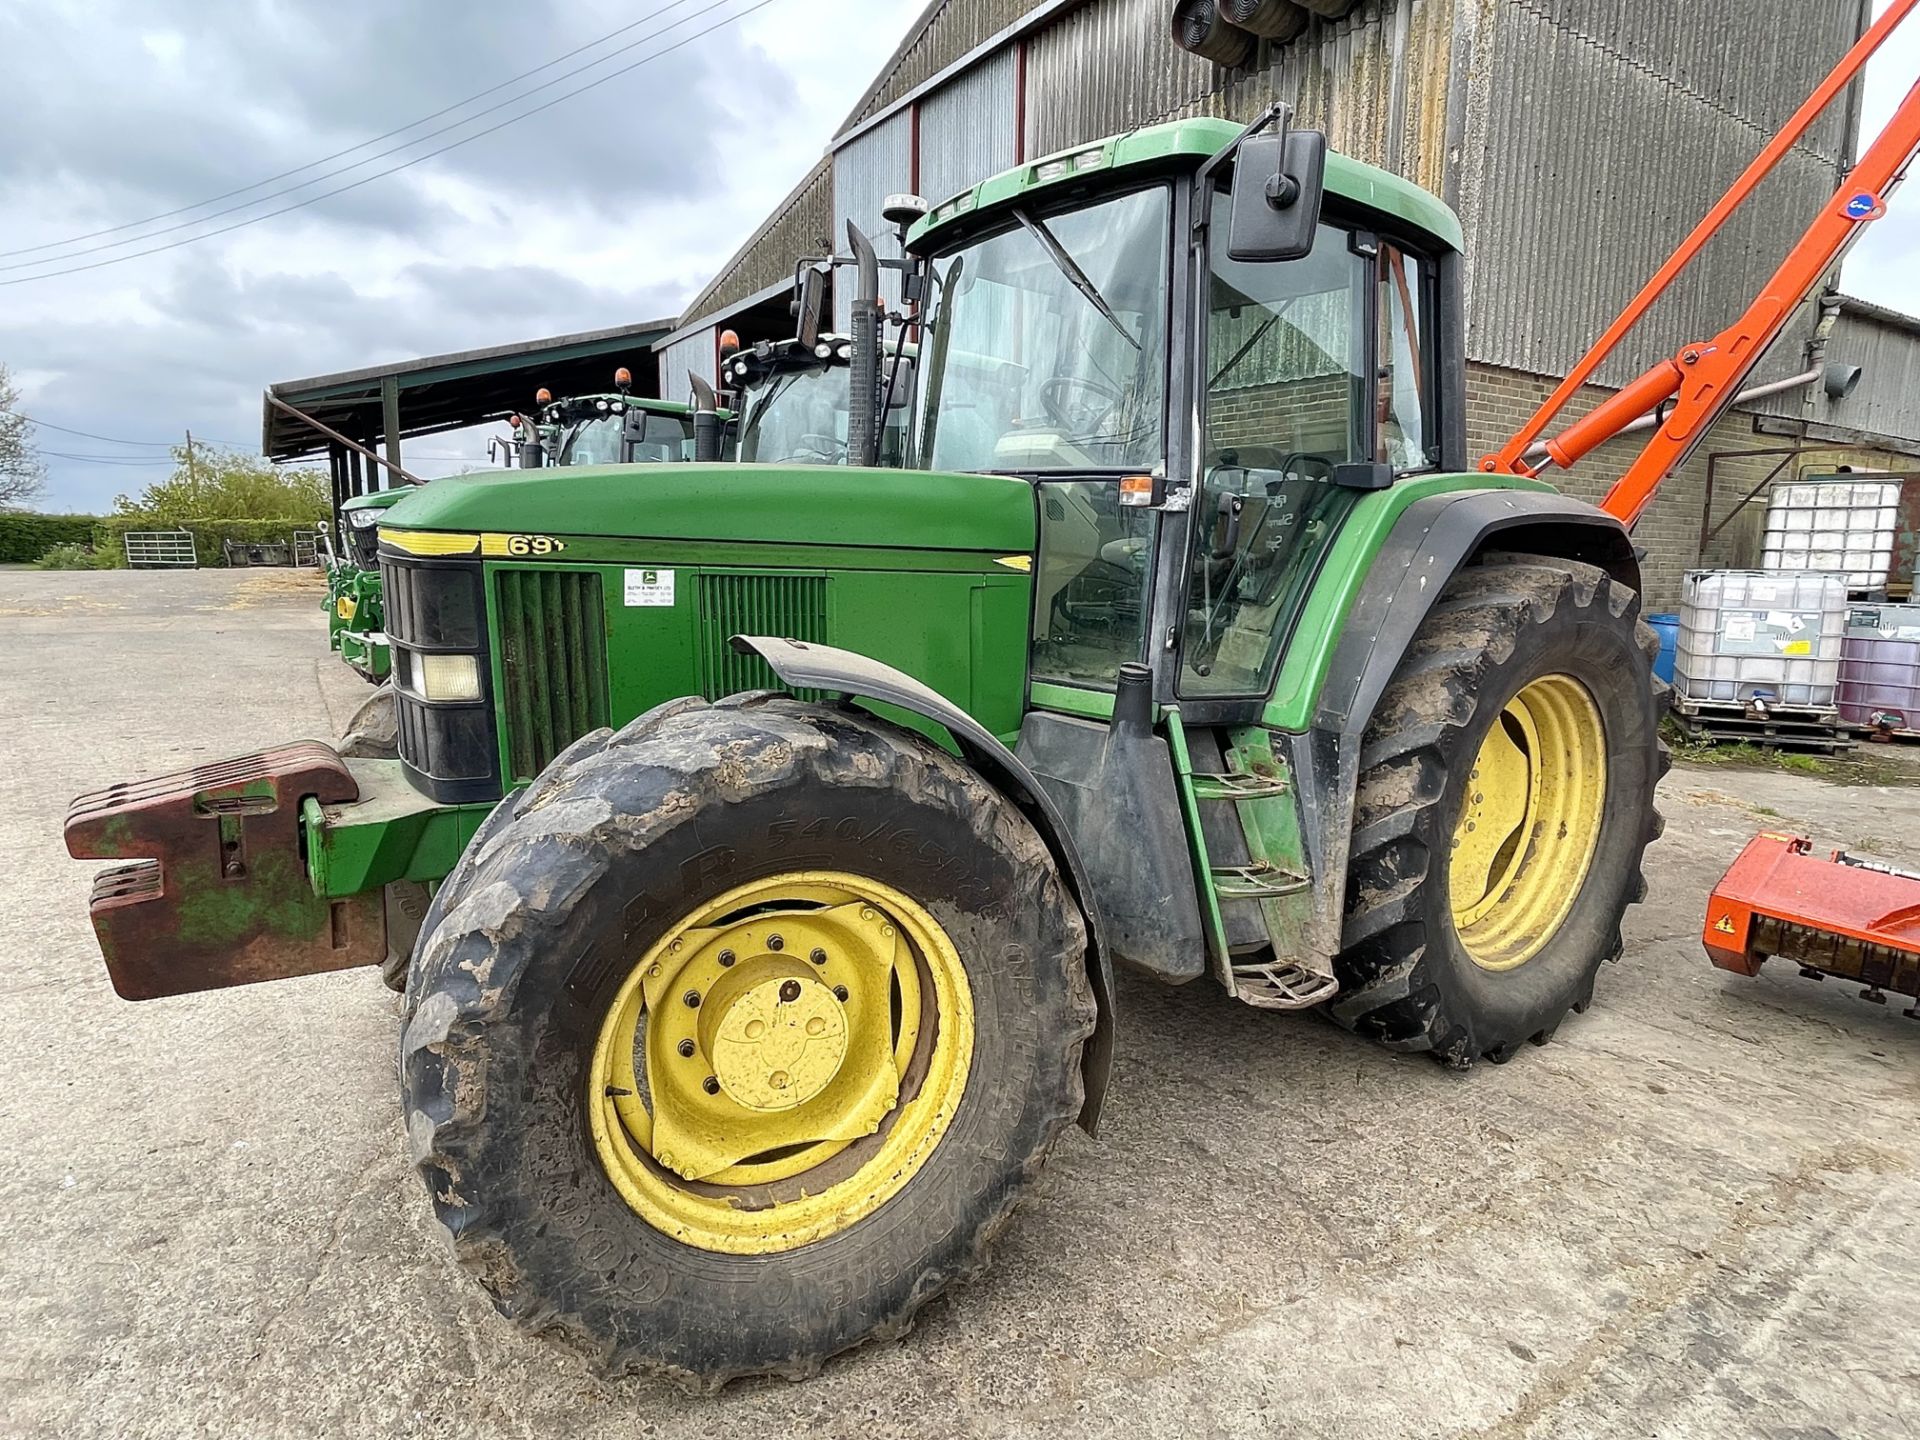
(1847, 916)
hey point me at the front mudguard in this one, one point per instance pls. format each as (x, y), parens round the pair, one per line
(215, 890)
(804, 666)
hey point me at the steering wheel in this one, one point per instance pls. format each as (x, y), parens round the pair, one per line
(1078, 404)
(825, 448)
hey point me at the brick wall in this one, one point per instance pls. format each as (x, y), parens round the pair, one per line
(1500, 401)
(1308, 414)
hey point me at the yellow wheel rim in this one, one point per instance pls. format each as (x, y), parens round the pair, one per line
(1528, 823)
(781, 1062)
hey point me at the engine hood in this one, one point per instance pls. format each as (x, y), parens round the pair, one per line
(784, 504)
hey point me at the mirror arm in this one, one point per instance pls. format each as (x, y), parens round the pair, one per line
(1279, 112)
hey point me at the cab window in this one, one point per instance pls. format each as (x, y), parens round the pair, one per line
(1288, 396)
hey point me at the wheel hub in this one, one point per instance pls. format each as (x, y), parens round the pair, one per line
(781, 1062)
(779, 1042)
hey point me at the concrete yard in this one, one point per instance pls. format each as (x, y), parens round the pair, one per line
(1696, 1213)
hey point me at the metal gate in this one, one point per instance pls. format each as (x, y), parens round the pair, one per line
(160, 549)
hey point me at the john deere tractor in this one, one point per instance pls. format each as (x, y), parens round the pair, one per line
(779, 827)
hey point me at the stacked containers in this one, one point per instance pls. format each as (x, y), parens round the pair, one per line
(1880, 667)
(1745, 634)
(1842, 524)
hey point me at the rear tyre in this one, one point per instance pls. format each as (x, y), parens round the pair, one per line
(738, 1036)
(1504, 803)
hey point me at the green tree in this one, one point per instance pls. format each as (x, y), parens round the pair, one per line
(215, 484)
(22, 476)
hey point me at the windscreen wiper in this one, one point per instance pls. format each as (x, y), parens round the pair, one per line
(1065, 264)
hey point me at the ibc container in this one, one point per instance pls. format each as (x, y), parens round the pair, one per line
(1842, 524)
(1667, 627)
(1745, 633)
(1880, 666)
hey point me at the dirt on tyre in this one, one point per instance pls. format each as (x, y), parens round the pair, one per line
(737, 1035)
(1505, 799)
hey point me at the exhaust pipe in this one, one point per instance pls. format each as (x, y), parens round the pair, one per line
(706, 420)
(863, 383)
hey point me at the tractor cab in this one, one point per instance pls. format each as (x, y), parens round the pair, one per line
(1201, 383)
(614, 428)
(791, 401)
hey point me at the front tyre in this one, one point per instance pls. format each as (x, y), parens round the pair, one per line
(738, 1039)
(1504, 803)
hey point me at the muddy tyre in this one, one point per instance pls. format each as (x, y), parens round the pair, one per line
(1505, 799)
(737, 1035)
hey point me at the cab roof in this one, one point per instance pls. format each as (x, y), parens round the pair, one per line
(1172, 146)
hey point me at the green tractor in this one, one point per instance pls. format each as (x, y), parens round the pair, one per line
(758, 856)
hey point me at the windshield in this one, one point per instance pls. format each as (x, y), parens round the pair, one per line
(597, 441)
(797, 417)
(1047, 344)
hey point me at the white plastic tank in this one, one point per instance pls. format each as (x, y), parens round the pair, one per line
(1747, 634)
(1840, 524)
(1880, 667)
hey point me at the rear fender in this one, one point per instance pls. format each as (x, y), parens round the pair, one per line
(824, 667)
(1430, 542)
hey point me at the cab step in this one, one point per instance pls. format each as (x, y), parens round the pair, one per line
(1282, 985)
(1256, 881)
(1235, 785)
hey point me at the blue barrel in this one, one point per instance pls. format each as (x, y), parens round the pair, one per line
(1667, 627)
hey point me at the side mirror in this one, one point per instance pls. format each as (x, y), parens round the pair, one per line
(1277, 182)
(901, 395)
(808, 305)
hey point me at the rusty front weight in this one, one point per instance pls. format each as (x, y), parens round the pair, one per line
(214, 891)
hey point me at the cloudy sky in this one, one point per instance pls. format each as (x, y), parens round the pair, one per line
(612, 206)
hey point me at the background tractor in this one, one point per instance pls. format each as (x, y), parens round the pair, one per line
(777, 827)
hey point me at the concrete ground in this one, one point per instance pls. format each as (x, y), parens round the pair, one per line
(1694, 1214)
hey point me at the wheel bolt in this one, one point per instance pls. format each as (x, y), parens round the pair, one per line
(819, 957)
(726, 957)
(686, 1049)
(840, 993)
(790, 991)
(692, 998)
(774, 942)
(710, 1085)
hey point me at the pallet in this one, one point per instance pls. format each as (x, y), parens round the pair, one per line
(1796, 727)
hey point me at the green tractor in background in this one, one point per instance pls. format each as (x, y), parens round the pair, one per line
(777, 828)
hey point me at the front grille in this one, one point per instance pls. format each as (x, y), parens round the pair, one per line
(363, 541)
(553, 662)
(791, 607)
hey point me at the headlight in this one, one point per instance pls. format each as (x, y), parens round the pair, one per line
(363, 519)
(447, 677)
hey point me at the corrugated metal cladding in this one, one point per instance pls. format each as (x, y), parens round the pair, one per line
(798, 228)
(955, 29)
(1887, 399)
(1376, 81)
(967, 128)
(865, 171)
(1589, 136)
(694, 353)
(1598, 132)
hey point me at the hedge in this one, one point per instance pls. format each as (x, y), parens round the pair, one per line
(208, 535)
(24, 537)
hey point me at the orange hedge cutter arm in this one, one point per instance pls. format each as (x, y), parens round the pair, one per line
(1702, 379)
